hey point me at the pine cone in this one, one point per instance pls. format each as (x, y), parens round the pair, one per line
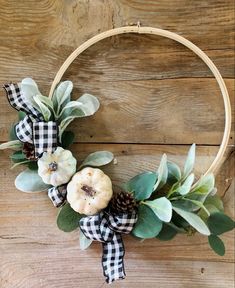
(123, 202)
(28, 150)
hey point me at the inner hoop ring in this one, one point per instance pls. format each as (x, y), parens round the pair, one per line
(160, 32)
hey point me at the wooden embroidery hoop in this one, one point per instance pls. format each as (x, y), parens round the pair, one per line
(160, 32)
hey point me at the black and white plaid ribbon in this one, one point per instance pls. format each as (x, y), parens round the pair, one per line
(107, 228)
(32, 129)
(58, 195)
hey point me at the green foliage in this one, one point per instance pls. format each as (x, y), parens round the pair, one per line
(68, 219)
(83, 241)
(67, 139)
(186, 185)
(194, 220)
(61, 96)
(167, 233)
(162, 173)
(174, 173)
(161, 207)
(220, 223)
(30, 181)
(97, 159)
(190, 161)
(216, 244)
(14, 145)
(148, 224)
(18, 156)
(142, 185)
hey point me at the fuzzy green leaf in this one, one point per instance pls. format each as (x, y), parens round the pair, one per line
(14, 145)
(89, 104)
(162, 173)
(220, 223)
(30, 181)
(189, 163)
(42, 108)
(186, 186)
(68, 219)
(141, 185)
(97, 159)
(30, 89)
(194, 220)
(162, 208)
(216, 244)
(84, 242)
(62, 95)
(148, 224)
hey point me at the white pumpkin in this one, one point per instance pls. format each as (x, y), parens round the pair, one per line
(58, 167)
(89, 191)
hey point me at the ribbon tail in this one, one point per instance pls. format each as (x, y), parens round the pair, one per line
(112, 260)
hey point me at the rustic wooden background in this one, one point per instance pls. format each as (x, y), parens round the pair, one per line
(156, 96)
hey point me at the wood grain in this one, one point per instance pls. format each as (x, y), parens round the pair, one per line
(156, 97)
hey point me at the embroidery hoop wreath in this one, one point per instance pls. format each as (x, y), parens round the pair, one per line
(167, 34)
(211, 206)
(157, 204)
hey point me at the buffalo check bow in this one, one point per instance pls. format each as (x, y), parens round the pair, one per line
(32, 129)
(107, 228)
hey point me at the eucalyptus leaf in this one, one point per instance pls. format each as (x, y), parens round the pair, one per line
(42, 108)
(84, 242)
(220, 223)
(18, 156)
(190, 161)
(62, 95)
(216, 244)
(141, 185)
(194, 220)
(148, 224)
(174, 173)
(67, 139)
(162, 208)
(68, 219)
(167, 233)
(97, 159)
(21, 115)
(162, 173)
(30, 181)
(216, 201)
(14, 145)
(186, 186)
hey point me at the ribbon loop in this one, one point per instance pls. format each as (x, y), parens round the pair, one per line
(32, 129)
(107, 228)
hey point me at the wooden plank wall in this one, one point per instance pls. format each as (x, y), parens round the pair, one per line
(156, 97)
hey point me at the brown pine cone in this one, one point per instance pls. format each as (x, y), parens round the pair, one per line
(123, 202)
(28, 150)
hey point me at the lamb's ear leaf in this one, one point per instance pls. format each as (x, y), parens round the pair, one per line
(97, 159)
(29, 181)
(14, 145)
(84, 242)
(162, 173)
(62, 95)
(190, 161)
(68, 219)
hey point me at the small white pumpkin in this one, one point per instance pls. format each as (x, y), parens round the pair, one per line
(89, 191)
(58, 167)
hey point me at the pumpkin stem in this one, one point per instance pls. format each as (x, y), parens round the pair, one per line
(53, 166)
(88, 190)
